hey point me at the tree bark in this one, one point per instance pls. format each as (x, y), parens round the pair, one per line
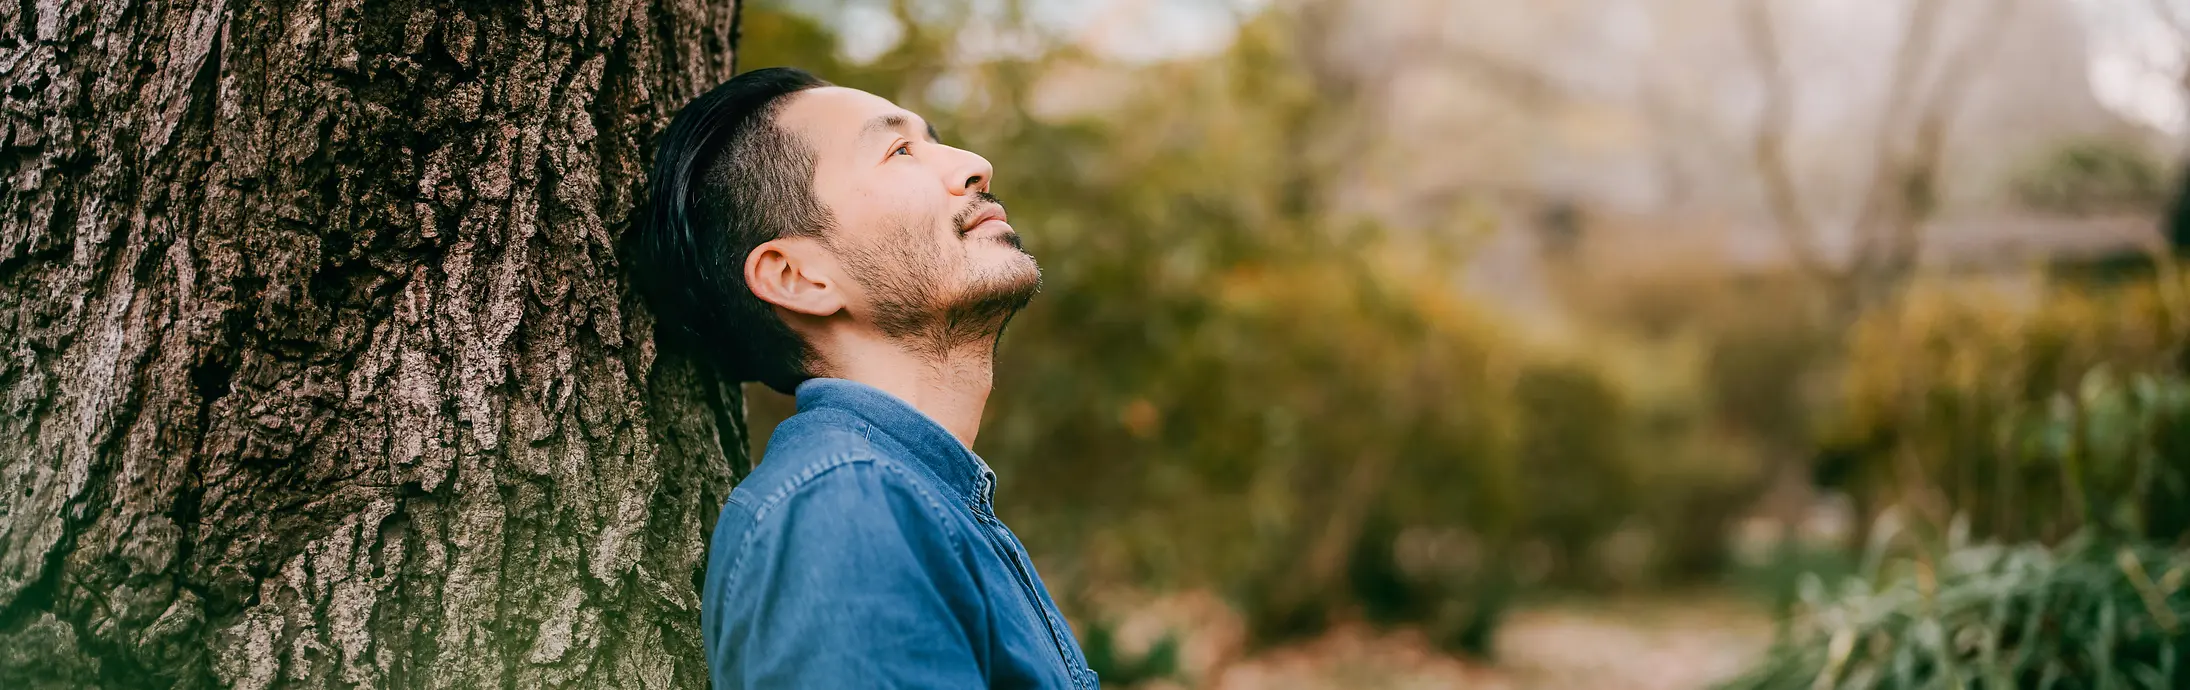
(317, 364)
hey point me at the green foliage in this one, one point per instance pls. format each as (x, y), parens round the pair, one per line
(2092, 175)
(1159, 662)
(1564, 411)
(1723, 372)
(1780, 578)
(2084, 615)
(2035, 421)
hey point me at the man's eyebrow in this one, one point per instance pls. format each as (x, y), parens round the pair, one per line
(894, 122)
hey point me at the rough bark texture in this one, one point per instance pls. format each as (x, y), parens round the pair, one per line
(317, 363)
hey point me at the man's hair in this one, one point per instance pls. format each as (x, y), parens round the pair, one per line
(727, 179)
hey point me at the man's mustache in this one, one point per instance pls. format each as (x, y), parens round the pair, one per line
(980, 199)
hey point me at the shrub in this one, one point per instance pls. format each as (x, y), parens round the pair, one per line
(1160, 661)
(2034, 419)
(2095, 175)
(2084, 615)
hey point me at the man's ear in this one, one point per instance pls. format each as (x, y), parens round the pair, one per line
(795, 273)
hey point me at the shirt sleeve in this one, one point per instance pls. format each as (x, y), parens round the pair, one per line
(851, 580)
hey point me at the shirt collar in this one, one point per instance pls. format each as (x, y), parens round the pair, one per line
(921, 437)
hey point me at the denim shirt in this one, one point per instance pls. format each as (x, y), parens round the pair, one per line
(865, 551)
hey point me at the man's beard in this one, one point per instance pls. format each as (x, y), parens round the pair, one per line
(903, 274)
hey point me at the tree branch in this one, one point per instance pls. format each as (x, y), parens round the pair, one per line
(1768, 147)
(2175, 19)
(1920, 170)
(1885, 196)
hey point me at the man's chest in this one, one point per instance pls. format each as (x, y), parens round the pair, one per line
(1031, 645)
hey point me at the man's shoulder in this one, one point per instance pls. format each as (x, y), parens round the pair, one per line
(826, 458)
(804, 447)
(825, 510)
(826, 485)
(815, 437)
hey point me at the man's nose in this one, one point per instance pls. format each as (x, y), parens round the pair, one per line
(970, 174)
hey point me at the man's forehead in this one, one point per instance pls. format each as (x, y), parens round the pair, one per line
(841, 114)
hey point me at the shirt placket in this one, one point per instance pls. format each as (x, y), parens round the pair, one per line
(985, 510)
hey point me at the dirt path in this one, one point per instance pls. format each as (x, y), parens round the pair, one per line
(1654, 644)
(1657, 645)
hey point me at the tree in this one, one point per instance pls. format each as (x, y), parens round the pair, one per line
(320, 366)
(1925, 89)
(2176, 18)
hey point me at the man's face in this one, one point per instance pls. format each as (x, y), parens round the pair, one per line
(915, 227)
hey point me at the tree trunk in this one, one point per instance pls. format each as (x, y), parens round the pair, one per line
(317, 363)
(2178, 211)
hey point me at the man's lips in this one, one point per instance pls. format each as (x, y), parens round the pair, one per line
(988, 217)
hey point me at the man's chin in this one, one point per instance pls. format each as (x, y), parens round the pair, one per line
(999, 258)
(1008, 285)
(984, 238)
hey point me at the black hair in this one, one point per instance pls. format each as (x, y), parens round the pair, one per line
(727, 179)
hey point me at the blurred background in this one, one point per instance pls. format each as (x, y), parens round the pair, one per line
(1578, 343)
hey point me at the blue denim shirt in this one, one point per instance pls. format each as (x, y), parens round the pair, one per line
(865, 552)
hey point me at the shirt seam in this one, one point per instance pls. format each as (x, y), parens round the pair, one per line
(807, 477)
(868, 429)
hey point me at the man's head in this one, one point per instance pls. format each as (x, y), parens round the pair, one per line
(790, 215)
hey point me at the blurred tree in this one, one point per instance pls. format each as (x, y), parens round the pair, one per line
(1924, 91)
(322, 371)
(2176, 15)
(1930, 77)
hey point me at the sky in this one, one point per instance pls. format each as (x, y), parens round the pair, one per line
(2135, 56)
(1127, 30)
(2137, 59)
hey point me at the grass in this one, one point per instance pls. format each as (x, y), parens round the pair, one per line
(2086, 614)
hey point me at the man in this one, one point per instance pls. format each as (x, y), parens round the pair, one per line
(821, 240)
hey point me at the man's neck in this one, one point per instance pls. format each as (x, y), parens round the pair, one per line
(951, 389)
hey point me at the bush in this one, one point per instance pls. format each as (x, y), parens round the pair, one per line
(2088, 176)
(1117, 668)
(2034, 419)
(2084, 615)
